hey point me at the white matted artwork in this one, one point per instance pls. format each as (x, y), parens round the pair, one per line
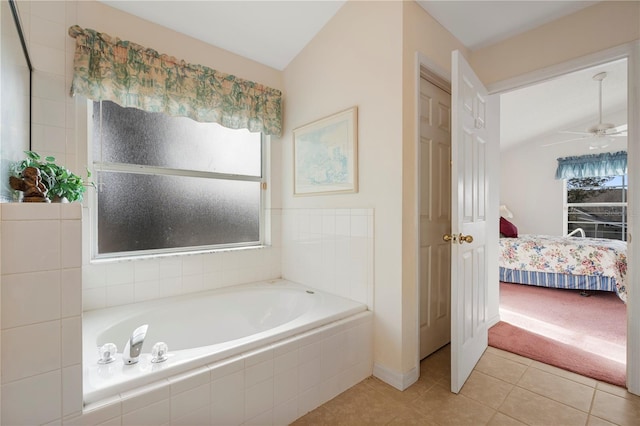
(325, 155)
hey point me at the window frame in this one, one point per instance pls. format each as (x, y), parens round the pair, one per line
(92, 200)
(624, 204)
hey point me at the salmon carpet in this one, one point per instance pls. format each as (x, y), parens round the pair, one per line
(585, 335)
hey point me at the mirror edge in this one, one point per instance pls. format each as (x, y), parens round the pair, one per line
(27, 57)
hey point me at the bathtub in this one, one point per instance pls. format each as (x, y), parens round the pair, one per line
(203, 329)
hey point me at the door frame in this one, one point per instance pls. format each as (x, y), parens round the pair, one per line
(630, 51)
(422, 62)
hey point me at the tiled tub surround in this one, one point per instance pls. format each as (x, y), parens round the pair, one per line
(331, 250)
(272, 385)
(328, 249)
(201, 329)
(41, 312)
(118, 282)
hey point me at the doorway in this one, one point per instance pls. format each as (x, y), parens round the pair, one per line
(539, 124)
(631, 51)
(435, 213)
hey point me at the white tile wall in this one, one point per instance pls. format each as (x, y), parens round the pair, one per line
(30, 350)
(30, 245)
(118, 282)
(30, 298)
(41, 326)
(260, 387)
(331, 250)
(19, 399)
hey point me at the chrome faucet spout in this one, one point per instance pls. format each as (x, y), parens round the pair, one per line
(132, 349)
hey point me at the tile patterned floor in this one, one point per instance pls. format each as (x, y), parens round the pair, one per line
(504, 389)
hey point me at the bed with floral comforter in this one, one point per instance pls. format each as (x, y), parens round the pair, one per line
(565, 262)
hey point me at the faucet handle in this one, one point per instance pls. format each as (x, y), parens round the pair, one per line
(107, 352)
(159, 352)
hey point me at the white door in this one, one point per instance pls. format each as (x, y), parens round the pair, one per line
(469, 285)
(435, 217)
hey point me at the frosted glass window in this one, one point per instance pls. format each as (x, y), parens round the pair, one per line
(172, 184)
(133, 136)
(174, 211)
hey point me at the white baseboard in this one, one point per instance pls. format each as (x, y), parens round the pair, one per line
(493, 321)
(397, 380)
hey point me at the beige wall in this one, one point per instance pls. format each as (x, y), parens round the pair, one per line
(355, 60)
(102, 18)
(423, 34)
(596, 28)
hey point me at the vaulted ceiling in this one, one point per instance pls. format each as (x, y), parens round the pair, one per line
(274, 32)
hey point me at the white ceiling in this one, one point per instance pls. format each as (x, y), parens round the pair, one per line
(537, 114)
(500, 19)
(274, 32)
(269, 32)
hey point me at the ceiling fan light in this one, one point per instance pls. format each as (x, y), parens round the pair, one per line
(601, 128)
(599, 135)
(599, 143)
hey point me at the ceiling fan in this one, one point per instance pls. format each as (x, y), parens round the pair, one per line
(599, 135)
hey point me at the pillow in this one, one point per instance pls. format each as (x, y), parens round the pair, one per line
(507, 228)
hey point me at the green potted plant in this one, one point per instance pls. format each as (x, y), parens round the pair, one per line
(61, 183)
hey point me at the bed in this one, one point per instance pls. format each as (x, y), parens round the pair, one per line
(565, 262)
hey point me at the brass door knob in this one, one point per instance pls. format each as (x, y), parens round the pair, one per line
(465, 238)
(449, 237)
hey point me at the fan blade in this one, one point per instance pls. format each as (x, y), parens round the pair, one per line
(565, 141)
(568, 132)
(618, 131)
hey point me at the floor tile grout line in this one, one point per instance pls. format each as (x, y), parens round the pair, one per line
(404, 404)
(514, 357)
(611, 392)
(533, 362)
(593, 400)
(513, 386)
(564, 377)
(551, 399)
(408, 406)
(533, 365)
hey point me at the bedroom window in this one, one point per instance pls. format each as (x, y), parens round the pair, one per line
(598, 205)
(168, 184)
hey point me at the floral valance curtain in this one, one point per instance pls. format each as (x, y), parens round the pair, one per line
(606, 164)
(107, 68)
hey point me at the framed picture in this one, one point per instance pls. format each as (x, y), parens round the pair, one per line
(325, 155)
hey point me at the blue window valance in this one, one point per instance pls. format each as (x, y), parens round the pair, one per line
(606, 164)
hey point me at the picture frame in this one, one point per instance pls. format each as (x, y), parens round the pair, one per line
(325, 155)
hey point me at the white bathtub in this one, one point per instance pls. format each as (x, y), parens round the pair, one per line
(201, 329)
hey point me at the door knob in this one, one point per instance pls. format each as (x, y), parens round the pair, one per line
(449, 237)
(465, 238)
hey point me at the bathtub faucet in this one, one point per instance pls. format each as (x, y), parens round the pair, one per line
(133, 347)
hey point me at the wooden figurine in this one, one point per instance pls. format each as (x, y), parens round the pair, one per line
(31, 185)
